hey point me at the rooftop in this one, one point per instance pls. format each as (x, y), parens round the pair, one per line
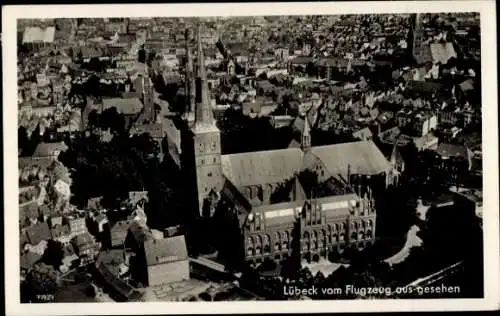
(261, 167)
(165, 250)
(39, 35)
(361, 157)
(48, 149)
(127, 106)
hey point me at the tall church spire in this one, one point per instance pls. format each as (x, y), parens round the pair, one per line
(205, 165)
(305, 144)
(190, 87)
(204, 115)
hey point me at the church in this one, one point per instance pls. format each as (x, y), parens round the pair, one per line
(325, 189)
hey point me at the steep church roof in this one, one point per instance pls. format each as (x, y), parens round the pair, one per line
(363, 158)
(261, 167)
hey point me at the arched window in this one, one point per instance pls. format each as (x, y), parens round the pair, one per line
(369, 234)
(342, 237)
(255, 191)
(314, 240)
(277, 241)
(329, 234)
(335, 238)
(322, 239)
(257, 221)
(258, 245)
(267, 244)
(250, 246)
(285, 240)
(354, 236)
(306, 241)
(248, 192)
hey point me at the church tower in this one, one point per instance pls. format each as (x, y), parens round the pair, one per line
(420, 50)
(206, 143)
(305, 143)
(149, 113)
(397, 166)
(190, 87)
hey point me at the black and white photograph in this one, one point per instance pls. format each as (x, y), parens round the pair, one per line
(312, 152)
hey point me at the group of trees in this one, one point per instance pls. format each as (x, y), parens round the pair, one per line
(109, 118)
(428, 176)
(93, 86)
(43, 280)
(25, 143)
(121, 165)
(240, 133)
(40, 284)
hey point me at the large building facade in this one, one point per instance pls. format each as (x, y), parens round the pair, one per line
(302, 195)
(323, 225)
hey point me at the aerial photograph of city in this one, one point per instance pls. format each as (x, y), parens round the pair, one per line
(318, 157)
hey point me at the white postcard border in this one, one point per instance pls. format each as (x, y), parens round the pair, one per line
(490, 154)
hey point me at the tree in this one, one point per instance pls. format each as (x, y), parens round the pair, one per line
(95, 64)
(54, 254)
(263, 76)
(22, 138)
(92, 86)
(268, 266)
(41, 280)
(311, 69)
(110, 118)
(142, 55)
(93, 118)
